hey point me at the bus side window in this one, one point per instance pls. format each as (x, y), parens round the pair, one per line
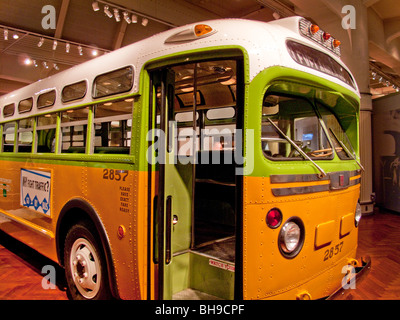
(8, 136)
(25, 135)
(73, 130)
(46, 133)
(113, 123)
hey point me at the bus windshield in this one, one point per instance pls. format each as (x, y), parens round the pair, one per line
(291, 118)
(338, 136)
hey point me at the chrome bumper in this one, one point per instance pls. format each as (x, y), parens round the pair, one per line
(360, 273)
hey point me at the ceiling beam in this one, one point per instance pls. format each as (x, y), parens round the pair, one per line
(61, 18)
(369, 3)
(120, 35)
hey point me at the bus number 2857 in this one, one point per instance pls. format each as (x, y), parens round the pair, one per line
(117, 175)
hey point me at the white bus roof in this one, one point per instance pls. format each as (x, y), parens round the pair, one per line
(265, 44)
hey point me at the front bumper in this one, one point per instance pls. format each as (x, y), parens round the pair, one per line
(360, 272)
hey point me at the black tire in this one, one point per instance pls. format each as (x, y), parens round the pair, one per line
(85, 265)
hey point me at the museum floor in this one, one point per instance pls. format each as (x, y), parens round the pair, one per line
(379, 237)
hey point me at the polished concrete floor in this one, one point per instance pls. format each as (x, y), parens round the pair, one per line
(22, 273)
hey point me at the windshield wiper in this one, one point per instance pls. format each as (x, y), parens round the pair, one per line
(347, 150)
(305, 156)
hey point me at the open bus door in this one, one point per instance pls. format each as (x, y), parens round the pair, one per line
(195, 204)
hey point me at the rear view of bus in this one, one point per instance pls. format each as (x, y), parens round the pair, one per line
(300, 204)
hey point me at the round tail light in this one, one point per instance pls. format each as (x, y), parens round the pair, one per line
(274, 218)
(291, 238)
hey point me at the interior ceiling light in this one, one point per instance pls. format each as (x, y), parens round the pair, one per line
(95, 52)
(55, 44)
(145, 22)
(40, 43)
(67, 47)
(127, 18)
(116, 15)
(95, 6)
(5, 34)
(80, 50)
(134, 18)
(107, 11)
(15, 36)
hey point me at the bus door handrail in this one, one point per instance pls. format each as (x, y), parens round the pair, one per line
(323, 173)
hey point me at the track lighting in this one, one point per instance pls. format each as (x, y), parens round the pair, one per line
(145, 22)
(55, 44)
(5, 34)
(127, 18)
(107, 11)
(116, 15)
(40, 43)
(80, 50)
(67, 47)
(95, 6)
(134, 18)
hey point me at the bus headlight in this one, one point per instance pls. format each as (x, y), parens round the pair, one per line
(358, 214)
(291, 238)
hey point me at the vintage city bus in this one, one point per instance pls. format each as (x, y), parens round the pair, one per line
(217, 160)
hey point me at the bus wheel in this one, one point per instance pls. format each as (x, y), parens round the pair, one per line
(85, 268)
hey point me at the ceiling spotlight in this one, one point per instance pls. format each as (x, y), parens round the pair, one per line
(127, 18)
(5, 34)
(35, 63)
(276, 15)
(95, 52)
(28, 61)
(55, 44)
(15, 36)
(95, 6)
(134, 18)
(80, 51)
(67, 47)
(40, 43)
(116, 15)
(55, 66)
(108, 12)
(145, 22)
(44, 63)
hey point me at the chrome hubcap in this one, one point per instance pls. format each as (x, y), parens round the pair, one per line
(85, 267)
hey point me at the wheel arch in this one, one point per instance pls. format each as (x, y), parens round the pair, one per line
(77, 210)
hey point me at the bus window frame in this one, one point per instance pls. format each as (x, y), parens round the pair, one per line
(94, 83)
(27, 110)
(3, 134)
(39, 106)
(75, 98)
(22, 130)
(8, 106)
